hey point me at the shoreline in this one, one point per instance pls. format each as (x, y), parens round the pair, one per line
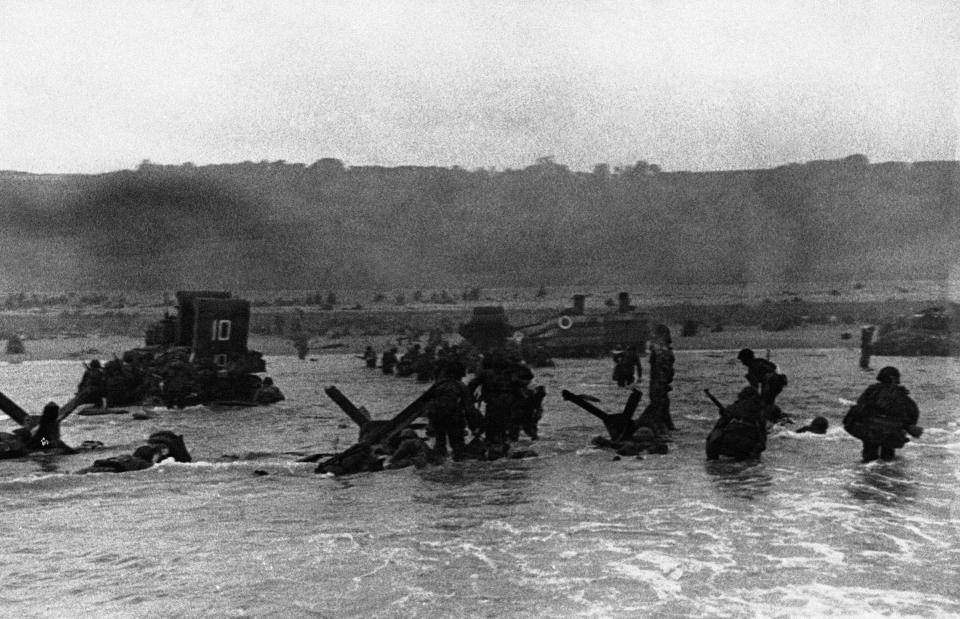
(99, 331)
(103, 347)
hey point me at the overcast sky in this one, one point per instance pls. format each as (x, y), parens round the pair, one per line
(98, 86)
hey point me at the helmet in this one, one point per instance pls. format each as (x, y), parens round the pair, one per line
(819, 424)
(524, 373)
(455, 369)
(661, 331)
(173, 442)
(888, 374)
(745, 354)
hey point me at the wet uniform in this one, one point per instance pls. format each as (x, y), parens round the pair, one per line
(741, 431)
(625, 364)
(880, 419)
(762, 375)
(389, 361)
(448, 416)
(657, 413)
(495, 391)
(93, 387)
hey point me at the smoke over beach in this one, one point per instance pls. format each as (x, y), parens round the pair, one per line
(273, 225)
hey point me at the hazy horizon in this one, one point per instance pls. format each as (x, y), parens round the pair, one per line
(452, 166)
(689, 86)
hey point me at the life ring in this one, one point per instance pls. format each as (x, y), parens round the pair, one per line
(565, 322)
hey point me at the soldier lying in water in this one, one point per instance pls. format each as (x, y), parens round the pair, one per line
(412, 451)
(818, 425)
(268, 393)
(160, 446)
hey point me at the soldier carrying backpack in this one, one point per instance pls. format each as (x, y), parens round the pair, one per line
(883, 417)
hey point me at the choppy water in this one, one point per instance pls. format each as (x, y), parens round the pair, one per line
(573, 532)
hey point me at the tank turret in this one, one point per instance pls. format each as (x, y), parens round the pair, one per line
(487, 328)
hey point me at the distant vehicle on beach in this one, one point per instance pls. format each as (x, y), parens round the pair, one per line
(924, 334)
(573, 333)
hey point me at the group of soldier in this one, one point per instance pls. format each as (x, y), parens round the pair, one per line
(741, 430)
(883, 418)
(120, 382)
(170, 380)
(499, 403)
(424, 363)
(494, 407)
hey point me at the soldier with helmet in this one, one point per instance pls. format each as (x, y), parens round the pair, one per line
(657, 414)
(450, 411)
(741, 431)
(494, 382)
(883, 417)
(763, 375)
(93, 386)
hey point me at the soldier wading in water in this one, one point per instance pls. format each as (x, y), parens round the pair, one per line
(657, 413)
(883, 417)
(451, 411)
(741, 431)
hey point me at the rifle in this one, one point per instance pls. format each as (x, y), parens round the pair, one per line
(718, 403)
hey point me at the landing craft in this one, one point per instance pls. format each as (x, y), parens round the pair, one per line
(203, 350)
(573, 333)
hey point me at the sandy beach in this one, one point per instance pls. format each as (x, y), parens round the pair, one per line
(815, 315)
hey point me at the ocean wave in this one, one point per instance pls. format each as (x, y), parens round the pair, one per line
(821, 599)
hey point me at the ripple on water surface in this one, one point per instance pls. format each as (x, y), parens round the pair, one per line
(807, 531)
